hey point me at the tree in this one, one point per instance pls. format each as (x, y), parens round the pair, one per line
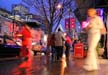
(52, 11)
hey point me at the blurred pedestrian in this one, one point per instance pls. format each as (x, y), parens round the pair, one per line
(94, 30)
(74, 42)
(51, 43)
(59, 43)
(26, 49)
(79, 41)
(53, 47)
(68, 44)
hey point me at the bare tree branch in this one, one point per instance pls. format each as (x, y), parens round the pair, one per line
(47, 9)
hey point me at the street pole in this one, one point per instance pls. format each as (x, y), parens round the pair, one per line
(107, 35)
(69, 18)
(69, 21)
(13, 22)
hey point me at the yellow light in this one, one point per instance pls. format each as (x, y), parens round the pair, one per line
(59, 6)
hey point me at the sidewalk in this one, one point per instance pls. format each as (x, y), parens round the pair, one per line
(40, 65)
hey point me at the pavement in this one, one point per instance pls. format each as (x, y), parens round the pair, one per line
(42, 65)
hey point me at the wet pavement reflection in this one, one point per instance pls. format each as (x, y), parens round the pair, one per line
(42, 65)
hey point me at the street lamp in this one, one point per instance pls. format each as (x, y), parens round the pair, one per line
(59, 6)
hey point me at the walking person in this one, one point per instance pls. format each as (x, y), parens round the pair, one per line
(94, 29)
(59, 43)
(53, 47)
(68, 44)
(51, 43)
(26, 49)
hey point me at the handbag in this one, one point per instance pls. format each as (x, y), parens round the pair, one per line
(103, 31)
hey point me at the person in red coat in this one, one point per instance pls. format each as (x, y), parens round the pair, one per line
(26, 49)
(68, 43)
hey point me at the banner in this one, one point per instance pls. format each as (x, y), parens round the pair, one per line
(70, 23)
(67, 23)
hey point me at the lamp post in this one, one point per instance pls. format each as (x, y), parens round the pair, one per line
(59, 7)
(13, 22)
(69, 18)
(70, 31)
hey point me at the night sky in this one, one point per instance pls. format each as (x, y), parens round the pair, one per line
(7, 5)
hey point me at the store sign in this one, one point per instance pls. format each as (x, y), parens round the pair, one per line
(78, 50)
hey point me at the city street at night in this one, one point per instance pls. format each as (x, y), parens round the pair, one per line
(53, 37)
